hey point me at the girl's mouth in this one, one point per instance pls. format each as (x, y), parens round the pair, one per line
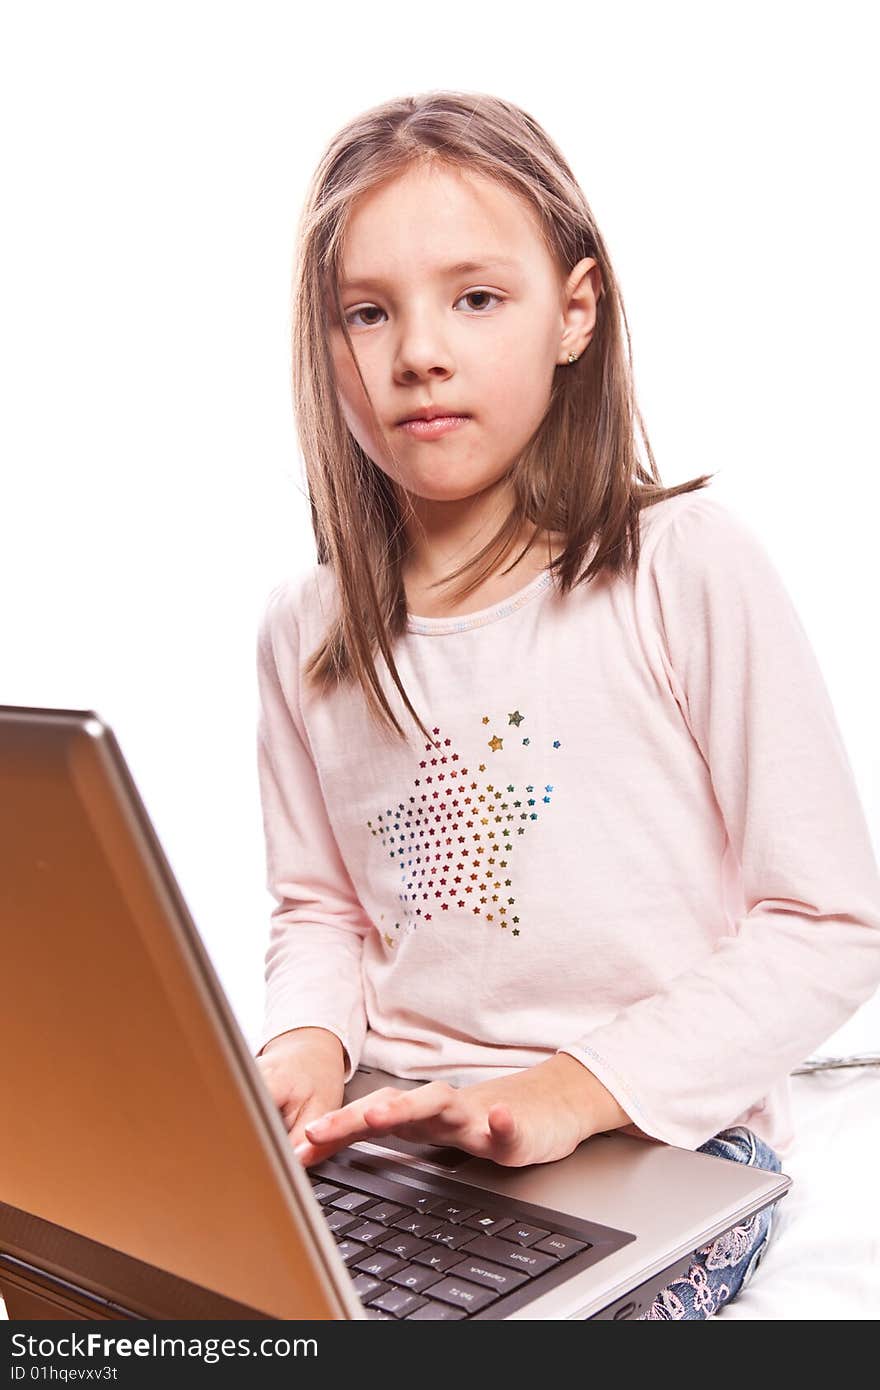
(432, 429)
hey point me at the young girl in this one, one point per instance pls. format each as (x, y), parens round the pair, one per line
(576, 840)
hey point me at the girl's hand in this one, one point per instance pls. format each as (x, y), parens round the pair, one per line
(304, 1072)
(534, 1116)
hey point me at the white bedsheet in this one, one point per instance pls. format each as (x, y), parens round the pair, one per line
(824, 1257)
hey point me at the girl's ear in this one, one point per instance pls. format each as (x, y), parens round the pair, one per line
(583, 290)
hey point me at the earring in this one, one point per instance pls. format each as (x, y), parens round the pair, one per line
(572, 357)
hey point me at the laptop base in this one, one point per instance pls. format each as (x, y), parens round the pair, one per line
(49, 1290)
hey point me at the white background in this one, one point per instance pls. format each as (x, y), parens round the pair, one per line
(155, 158)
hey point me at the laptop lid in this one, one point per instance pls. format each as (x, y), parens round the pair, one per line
(125, 1074)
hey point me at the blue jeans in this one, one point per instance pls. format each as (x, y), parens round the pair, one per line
(721, 1269)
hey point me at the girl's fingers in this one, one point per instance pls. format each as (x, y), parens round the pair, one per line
(308, 1152)
(436, 1100)
(502, 1124)
(311, 1151)
(364, 1117)
(415, 1109)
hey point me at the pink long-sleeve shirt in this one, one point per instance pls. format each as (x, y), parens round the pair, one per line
(635, 837)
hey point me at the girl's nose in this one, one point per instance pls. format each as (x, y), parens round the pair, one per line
(423, 349)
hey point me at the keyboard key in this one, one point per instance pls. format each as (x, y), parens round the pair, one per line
(366, 1284)
(405, 1246)
(351, 1201)
(450, 1235)
(370, 1232)
(377, 1313)
(492, 1276)
(350, 1249)
(509, 1255)
(427, 1201)
(438, 1258)
(523, 1234)
(325, 1190)
(436, 1312)
(340, 1221)
(416, 1277)
(417, 1223)
(379, 1262)
(562, 1246)
(451, 1211)
(385, 1212)
(398, 1301)
(485, 1221)
(462, 1294)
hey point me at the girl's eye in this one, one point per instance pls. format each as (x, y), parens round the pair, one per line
(487, 294)
(372, 308)
(367, 309)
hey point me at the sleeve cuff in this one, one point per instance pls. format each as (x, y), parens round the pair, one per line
(644, 1123)
(273, 1031)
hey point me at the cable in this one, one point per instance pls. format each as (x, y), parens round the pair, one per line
(859, 1059)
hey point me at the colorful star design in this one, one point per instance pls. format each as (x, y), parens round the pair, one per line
(433, 839)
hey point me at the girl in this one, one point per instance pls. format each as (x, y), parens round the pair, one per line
(575, 840)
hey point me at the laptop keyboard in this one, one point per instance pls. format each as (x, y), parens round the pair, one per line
(444, 1254)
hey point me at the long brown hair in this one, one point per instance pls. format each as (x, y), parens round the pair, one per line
(579, 474)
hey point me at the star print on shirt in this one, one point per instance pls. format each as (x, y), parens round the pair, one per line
(450, 840)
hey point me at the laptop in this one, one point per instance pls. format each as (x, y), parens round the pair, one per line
(147, 1173)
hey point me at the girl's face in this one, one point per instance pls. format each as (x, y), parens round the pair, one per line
(482, 341)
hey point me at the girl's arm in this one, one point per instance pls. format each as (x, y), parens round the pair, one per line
(686, 1061)
(317, 929)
